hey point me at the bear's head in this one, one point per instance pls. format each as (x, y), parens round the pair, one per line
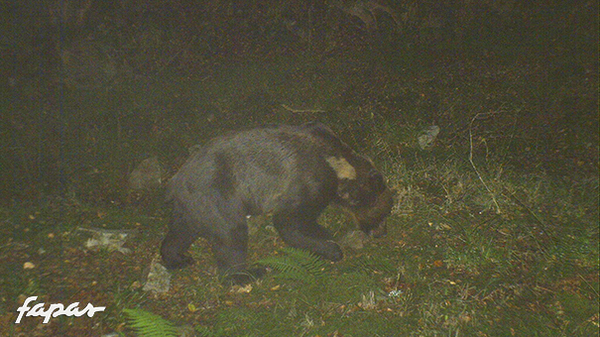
(362, 193)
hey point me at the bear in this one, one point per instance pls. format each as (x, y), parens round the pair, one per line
(290, 172)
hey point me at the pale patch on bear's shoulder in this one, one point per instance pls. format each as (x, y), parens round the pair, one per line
(342, 168)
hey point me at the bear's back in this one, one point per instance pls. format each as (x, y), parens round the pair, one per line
(258, 166)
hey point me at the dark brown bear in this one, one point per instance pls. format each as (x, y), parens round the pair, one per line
(291, 172)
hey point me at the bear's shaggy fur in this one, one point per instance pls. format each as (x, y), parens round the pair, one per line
(291, 172)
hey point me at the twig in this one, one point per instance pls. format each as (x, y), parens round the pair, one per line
(543, 226)
(536, 217)
(300, 111)
(498, 211)
(588, 284)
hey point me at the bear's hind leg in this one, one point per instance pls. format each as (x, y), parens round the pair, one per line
(303, 232)
(231, 252)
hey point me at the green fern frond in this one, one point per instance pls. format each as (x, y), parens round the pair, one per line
(147, 324)
(288, 268)
(296, 264)
(313, 264)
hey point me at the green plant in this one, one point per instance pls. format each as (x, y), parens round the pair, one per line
(297, 264)
(147, 324)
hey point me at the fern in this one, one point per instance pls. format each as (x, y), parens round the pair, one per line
(297, 264)
(147, 324)
(313, 264)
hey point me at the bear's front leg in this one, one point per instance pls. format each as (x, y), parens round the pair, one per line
(176, 243)
(303, 232)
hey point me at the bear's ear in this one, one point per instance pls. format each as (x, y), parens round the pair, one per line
(376, 181)
(343, 169)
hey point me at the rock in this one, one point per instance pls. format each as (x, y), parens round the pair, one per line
(147, 175)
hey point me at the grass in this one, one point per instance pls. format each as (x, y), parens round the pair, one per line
(494, 231)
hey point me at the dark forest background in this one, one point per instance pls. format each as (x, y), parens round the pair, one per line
(90, 88)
